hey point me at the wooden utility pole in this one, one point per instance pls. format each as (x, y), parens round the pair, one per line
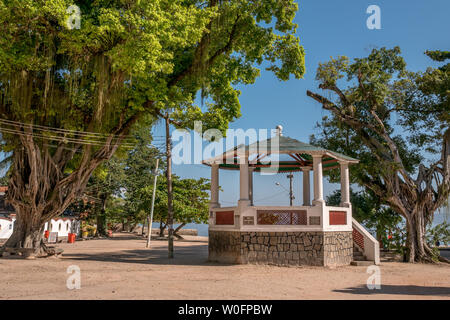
(291, 192)
(150, 222)
(169, 185)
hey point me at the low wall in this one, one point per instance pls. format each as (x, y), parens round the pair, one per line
(338, 248)
(225, 246)
(281, 248)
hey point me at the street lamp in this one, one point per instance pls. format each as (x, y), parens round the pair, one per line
(290, 192)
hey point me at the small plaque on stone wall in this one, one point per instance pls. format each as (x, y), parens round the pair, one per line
(249, 221)
(314, 221)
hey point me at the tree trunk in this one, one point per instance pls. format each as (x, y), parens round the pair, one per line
(417, 249)
(175, 233)
(27, 233)
(169, 187)
(36, 194)
(101, 219)
(146, 221)
(101, 224)
(162, 227)
(39, 188)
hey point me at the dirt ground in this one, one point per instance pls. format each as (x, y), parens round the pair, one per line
(122, 268)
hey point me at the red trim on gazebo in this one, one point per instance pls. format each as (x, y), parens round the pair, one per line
(338, 218)
(225, 218)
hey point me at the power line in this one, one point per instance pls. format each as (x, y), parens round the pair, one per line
(231, 202)
(80, 134)
(65, 148)
(273, 196)
(257, 200)
(57, 130)
(60, 139)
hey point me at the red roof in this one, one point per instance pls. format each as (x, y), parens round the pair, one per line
(3, 188)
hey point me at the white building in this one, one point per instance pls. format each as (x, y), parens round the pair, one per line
(63, 225)
(6, 226)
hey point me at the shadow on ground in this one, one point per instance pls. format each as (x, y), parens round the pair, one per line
(186, 255)
(123, 236)
(399, 290)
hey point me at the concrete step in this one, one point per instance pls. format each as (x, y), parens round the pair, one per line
(362, 263)
(359, 258)
(357, 253)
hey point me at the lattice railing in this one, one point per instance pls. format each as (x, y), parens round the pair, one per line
(366, 241)
(358, 238)
(282, 217)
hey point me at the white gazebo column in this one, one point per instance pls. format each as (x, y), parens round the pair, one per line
(214, 203)
(318, 179)
(250, 185)
(244, 180)
(345, 185)
(244, 200)
(306, 187)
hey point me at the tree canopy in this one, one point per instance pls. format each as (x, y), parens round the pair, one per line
(69, 97)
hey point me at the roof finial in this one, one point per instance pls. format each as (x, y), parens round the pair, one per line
(279, 130)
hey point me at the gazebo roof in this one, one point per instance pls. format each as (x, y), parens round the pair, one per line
(301, 154)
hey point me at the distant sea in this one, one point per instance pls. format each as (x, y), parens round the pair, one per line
(202, 229)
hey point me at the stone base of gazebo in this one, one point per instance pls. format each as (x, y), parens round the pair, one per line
(319, 248)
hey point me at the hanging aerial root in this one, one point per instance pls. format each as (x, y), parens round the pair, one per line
(437, 257)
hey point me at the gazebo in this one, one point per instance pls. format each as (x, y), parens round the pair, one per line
(311, 234)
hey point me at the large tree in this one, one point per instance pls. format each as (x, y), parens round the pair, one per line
(397, 123)
(69, 97)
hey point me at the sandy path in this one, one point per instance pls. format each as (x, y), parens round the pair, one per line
(121, 268)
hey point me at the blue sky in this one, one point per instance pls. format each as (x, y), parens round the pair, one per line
(327, 28)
